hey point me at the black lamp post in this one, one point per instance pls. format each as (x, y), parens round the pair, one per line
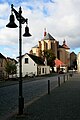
(12, 24)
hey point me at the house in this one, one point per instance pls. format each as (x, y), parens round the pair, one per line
(73, 60)
(3, 61)
(78, 62)
(2, 66)
(33, 64)
(59, 66)
(12, 60)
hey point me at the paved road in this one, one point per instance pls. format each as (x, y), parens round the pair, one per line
(31, 90)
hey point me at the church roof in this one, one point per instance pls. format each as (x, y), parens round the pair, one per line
(64, 45)
(48, 37)
(60, 46)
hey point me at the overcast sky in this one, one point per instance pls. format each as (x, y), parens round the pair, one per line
(59, 17)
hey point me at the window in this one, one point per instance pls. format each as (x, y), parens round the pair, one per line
(42, 70)
(52, 45)
(39, 71)
(26, 60)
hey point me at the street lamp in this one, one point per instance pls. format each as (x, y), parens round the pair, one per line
(12, 24)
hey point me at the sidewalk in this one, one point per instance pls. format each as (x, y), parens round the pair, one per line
(62, 104)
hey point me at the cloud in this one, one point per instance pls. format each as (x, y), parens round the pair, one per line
(4, 8)
(61, 18)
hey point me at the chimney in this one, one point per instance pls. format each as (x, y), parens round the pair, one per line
(44, 31)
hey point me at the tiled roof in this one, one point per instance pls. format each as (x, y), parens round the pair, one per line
(35, 46)
(58, 63)
(64, 45)
(73, 53)
(12, 59)
(48, 37)
(1, 56)
(37, 60)
(60, 46)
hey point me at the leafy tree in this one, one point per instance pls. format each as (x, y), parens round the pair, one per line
(10, 68)
(50, 56)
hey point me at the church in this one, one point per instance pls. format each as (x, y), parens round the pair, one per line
(61, 52)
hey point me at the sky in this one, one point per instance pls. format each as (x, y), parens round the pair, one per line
(59, 17)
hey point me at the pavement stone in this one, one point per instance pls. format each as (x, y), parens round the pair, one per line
(63, 103)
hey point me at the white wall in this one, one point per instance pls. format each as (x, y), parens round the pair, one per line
(44, 70)
(78, 62)
(30, 67)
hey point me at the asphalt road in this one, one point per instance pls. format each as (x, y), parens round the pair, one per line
(31, 90)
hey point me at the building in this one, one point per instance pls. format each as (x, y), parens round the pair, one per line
(3, 61)
(48, 42)
(73, 60)
(59, 66)
(78, 62)
(33, 65)
(2, 66)
(11, 60)
(62, 52)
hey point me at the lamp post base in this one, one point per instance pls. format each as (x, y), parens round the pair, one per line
(21, 105)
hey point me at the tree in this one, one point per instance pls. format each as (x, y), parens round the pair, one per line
(10, 68)
(50, 56)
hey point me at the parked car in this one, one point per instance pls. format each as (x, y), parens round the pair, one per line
(61, 72)
(31, 74)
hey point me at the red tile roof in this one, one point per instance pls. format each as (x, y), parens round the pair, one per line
(58, 63)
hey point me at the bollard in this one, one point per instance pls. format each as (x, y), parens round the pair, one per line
(70, 74)
(67, 77)
(48, 87)
(59, 81)
(64, 78)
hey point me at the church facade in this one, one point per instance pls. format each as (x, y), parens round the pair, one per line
(61, 52)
